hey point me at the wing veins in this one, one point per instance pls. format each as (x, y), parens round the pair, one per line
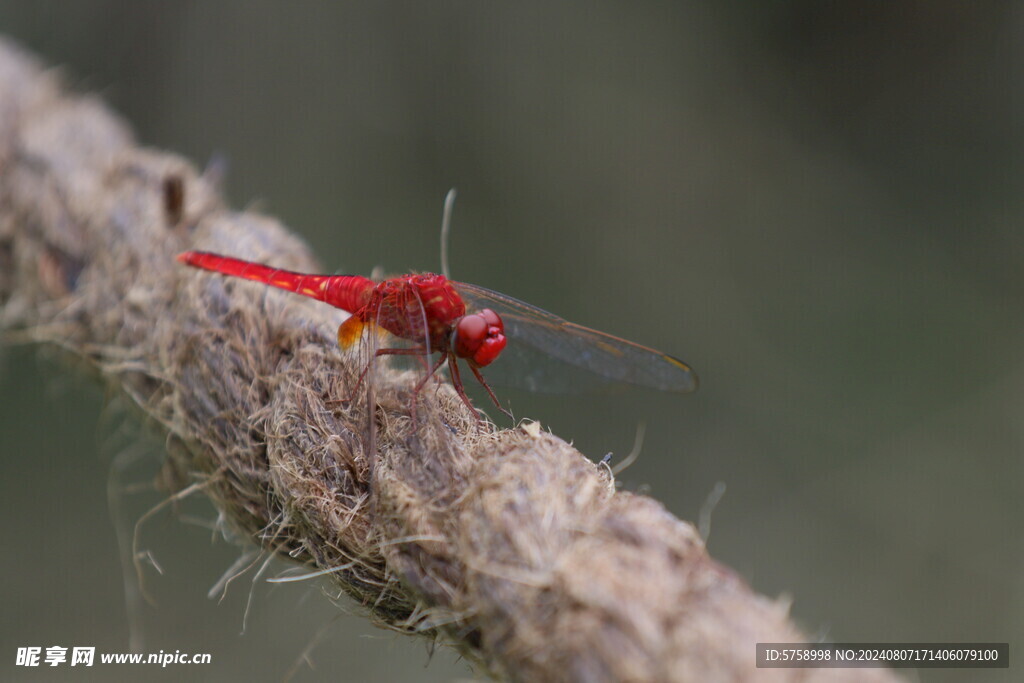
(604, 354)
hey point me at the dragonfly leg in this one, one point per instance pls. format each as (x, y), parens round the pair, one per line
(453, 369)
(480, 378)
(419, 351)
(422, 383)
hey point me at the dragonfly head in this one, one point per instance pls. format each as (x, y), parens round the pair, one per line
(479, 337)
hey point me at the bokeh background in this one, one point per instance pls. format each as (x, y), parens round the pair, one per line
(817, 205)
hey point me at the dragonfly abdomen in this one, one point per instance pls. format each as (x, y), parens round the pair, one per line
(347, 292)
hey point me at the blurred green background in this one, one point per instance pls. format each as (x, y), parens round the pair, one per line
(817, 205)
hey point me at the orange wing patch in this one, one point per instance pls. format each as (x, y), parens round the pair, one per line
(350, 332)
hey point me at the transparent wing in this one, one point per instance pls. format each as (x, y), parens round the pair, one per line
(407, 345)
(610, 357)
(371, 334)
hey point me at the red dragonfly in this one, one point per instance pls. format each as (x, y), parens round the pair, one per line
(431, 311)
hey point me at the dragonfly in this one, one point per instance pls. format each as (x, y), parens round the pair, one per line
(461, 322)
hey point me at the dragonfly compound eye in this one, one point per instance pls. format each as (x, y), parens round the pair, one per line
(480, 337)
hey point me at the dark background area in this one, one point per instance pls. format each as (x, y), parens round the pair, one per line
(817, 205)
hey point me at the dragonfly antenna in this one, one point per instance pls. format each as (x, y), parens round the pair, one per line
(446, 229)
(704, 526)
(638, 444)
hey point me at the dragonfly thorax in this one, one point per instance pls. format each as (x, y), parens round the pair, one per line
(422, 308)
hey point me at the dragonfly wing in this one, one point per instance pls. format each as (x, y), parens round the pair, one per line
(605, 355)
(521, 366)
(401, 315)
(350, 332)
